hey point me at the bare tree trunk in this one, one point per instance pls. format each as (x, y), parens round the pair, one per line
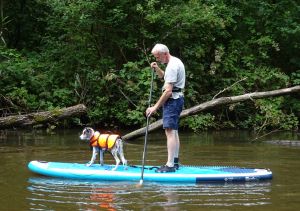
(214, 103)
(42, 117)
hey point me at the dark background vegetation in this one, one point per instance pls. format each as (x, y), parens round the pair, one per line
(58, 53)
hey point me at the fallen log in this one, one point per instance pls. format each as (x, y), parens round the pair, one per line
(214, 103)
(42, 117)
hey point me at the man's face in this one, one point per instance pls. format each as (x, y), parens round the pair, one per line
(160, 57)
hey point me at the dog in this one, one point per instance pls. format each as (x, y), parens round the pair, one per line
(104, 142)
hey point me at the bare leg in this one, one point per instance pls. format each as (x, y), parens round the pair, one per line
(172, 145)
(176, 155)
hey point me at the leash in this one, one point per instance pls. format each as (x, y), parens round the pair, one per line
(147, 127)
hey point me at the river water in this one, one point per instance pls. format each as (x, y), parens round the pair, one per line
(23, 190)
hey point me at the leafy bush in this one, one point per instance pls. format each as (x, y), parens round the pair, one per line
(60, 53)
(199, 122)
(270, 115)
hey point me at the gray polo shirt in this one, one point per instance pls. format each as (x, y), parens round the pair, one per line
(175, 74)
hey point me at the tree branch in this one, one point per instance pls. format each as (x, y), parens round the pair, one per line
(227, 88)
(214, 103)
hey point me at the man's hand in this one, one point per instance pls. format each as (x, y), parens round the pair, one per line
(154, 65)
(158, 71)
(150, 111)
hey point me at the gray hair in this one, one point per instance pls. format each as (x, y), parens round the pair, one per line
(160, 48)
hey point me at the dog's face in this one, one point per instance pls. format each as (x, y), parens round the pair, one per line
(87, 133)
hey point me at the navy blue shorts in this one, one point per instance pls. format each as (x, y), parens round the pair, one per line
(171, 113)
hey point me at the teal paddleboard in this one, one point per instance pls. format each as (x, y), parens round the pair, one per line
(185, 174)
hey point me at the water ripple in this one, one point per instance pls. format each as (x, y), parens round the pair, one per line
(59, 194)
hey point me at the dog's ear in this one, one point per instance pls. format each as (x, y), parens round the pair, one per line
(88, 129)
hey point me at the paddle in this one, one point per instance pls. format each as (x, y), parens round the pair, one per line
(147, 126)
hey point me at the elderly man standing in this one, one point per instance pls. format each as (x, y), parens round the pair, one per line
(171, 100)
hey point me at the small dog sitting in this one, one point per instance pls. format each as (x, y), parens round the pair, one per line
(104, 142)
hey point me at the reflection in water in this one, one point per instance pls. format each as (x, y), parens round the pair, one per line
(104, 197)
(58, 194)
(172, 199)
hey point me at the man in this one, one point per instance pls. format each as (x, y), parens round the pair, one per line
(171, 100)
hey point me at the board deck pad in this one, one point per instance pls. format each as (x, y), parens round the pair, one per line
(185, 174)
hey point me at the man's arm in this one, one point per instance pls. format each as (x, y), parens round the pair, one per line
(163, 98)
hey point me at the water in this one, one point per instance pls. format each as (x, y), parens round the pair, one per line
(23, 190)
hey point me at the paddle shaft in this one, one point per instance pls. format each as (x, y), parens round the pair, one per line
(147, 127)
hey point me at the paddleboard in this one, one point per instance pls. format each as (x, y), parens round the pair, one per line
(185, 174)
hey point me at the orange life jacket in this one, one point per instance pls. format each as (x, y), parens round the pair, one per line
(104, 141)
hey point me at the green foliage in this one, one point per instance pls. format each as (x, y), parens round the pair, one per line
(295, 77)
(59, 53)
(271, 116)
(26, 84)
(17, 79)
(261, 76)
(199, 122)
(22, 97)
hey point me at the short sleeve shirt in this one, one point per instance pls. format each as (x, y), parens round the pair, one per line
(175, 74)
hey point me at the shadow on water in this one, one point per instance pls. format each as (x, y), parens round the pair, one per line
(51, 193)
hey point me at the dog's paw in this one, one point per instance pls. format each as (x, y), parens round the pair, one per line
(88, 164)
